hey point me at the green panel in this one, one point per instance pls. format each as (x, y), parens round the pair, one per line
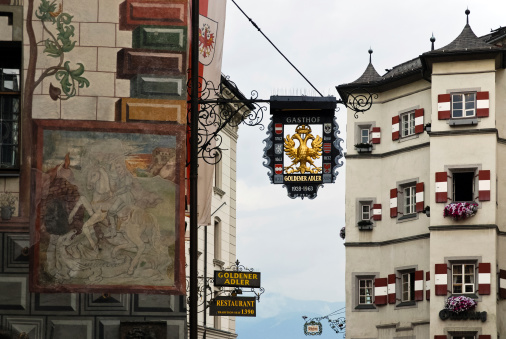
(158, 87)
(171, 38)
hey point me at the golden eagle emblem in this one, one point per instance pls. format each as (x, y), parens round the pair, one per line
(303, 154)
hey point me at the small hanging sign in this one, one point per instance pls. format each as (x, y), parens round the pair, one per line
(313, 328)
(303, 149)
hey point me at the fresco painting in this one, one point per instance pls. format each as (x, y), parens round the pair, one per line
(108, 211)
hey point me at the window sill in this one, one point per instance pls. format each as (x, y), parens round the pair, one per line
(219, 191)
(219, 263)
(463, 121)
(408, 137)
(365, 228)
(407, 217)
(470, 295)
(406, 304)
(365, 307)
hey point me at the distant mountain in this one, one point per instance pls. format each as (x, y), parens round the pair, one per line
(279, 317)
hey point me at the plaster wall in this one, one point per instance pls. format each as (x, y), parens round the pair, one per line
(464, 150)
(458, 244)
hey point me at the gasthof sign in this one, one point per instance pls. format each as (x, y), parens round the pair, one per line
(237, 279)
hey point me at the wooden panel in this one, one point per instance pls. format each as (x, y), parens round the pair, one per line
(158, 87)
(144, 61)
(133, 109)
(156, 37)
(149, 12)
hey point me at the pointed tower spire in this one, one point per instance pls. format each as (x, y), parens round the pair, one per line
(467, 16)
(432, 40)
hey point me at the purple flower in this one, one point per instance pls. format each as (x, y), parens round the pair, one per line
(460, 304)
(460, 210)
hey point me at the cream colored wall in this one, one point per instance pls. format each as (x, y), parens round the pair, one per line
(384, 259)
(500, 102)
(375, 177)
(464, 243)
(464, 150)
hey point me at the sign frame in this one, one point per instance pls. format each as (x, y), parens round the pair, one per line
(303, 130)
(233, 310)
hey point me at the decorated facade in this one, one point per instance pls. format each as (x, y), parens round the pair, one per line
(93, 114)
(425, 245)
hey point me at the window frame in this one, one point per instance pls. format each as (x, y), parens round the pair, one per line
(355, 278)
(463, 109)
(463, 273)
(367, 136)
(360, 202)
(409, 207)
(476, 261)
(359, 126)
(400, 272)
(360, 288)
(401, 200)
(13, 122)
(451, 169)
(362, 212)
(410, 130)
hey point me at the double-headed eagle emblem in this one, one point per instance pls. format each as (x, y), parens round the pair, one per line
(303, 154)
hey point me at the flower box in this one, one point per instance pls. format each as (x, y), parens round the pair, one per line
(365, 225)
(459, 304)
(363, 148)
(460, 210)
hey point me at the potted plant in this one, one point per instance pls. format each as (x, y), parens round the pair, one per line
(7, 205)
(460, 210)
(365, 225)
(363, 147)
(458, 304)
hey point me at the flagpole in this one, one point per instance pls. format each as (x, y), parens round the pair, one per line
(194, 66)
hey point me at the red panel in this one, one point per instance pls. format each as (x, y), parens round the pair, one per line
(144, 61)
(440, 337)
(420, 204)
(391, 296)
(443, 115)
(427, 291)
(376, 207)
(380, 299)
(482, 112)
(442, 288)
(376, 130)
(485, 336)
(482, 96)
(395, 121)
(441, 196)
(393, 209)
(484, 195)
(484, 289)
(444, 98)
(419, 292)
(149, 12)
(502, 289)
(419, 127)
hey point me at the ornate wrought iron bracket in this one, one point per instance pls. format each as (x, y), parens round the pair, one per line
(224, 105)
(338, 325)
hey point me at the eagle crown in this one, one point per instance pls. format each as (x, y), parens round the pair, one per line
(303, 129)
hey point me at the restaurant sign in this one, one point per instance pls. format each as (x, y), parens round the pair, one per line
(233, 306)
(302, 148)
(237, 279)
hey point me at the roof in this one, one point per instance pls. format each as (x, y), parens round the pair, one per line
(466, 41)
(370, 74)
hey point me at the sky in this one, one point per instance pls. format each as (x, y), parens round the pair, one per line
(295, 244)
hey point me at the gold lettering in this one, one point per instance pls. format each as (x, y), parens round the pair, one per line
(246, 282)
(227, 281)
(255, 276)
(220, 275)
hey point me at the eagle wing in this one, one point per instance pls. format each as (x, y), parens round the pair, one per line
(316, 148)
(290, 149)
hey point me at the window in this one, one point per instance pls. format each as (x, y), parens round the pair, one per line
(463, 335)
(217, 239)
(366, 212)
(463, 105)
(463, 186)
(408, 286)
(364, 136)
(10, 104)
(365, 291)
(409, 200)
(463, 278)
(407, 124)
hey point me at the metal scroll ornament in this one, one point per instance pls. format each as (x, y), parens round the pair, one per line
(360, 100)
(220, 106)
(313, 328)
(302, 149)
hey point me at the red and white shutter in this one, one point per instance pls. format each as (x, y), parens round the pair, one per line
(419, 197)
(443, 107)
(485, 336)
(502, 284)
(484, 278)
(391, 288)
(418, 285)
(427, 285)
(441, 187)
(395, 127)
(376, 212)
(482, 104)
(441, 279)
(380, 291)
(375, 135)
(393, 203)
(419, 120)
(484, 185)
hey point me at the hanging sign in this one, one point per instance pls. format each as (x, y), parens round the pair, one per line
(237, 279)
(303, 149)
(233, 306)
(313, 328)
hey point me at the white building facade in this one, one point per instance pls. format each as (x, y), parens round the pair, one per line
(434, 137)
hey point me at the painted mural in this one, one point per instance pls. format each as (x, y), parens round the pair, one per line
(107, 210)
